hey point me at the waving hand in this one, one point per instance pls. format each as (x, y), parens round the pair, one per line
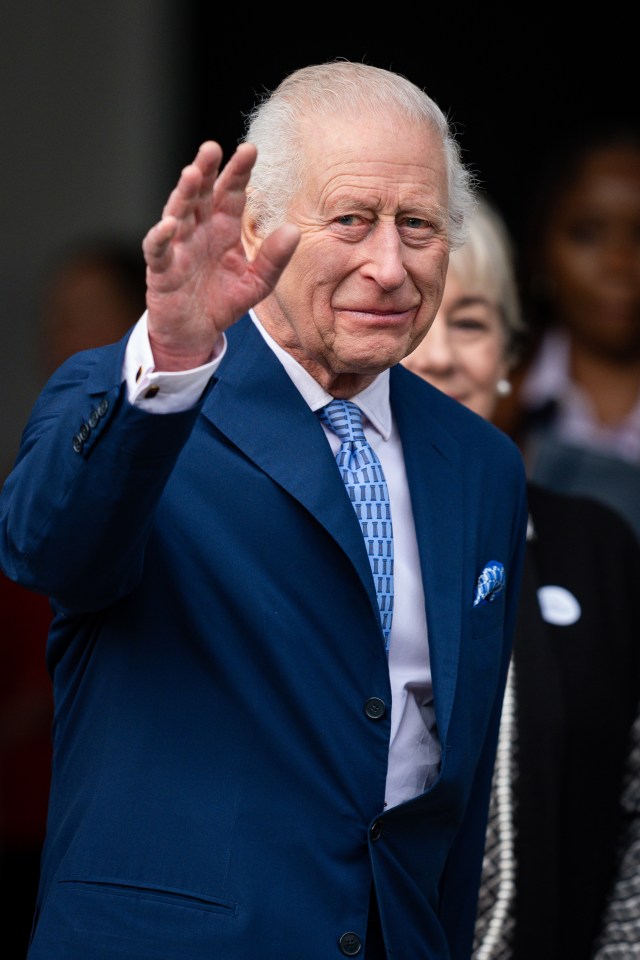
(199, 281)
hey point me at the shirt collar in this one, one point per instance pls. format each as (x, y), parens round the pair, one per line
(548, 377)
(373, 400)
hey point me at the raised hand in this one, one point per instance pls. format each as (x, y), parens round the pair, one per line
(199, 281)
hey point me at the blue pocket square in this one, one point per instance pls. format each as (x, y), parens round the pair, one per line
(490, 583)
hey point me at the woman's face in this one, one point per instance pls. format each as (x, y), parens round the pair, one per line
(463, 354)
(591, 253)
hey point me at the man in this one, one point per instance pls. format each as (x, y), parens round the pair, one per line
(273, 738)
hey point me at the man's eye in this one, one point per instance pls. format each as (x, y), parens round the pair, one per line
(351, 227)
(416, 230)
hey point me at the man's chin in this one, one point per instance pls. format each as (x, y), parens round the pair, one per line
(372, 353)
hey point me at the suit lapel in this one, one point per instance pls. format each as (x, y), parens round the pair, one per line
(256, 406)
(259, 409)
(432, 457)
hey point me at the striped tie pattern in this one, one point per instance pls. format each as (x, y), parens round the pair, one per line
(365, 483)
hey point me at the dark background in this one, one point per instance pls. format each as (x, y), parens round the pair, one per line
(513, 84)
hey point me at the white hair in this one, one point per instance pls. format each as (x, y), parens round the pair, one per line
(488, 259)
(276, 124)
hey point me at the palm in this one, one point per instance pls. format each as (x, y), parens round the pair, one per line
(199, 281)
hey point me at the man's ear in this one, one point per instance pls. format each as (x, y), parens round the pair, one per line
(250, 239)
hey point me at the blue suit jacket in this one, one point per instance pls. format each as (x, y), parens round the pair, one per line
(216, 774)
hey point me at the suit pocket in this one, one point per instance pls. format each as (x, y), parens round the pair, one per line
(487, 618)
(151, 894)
(114, 919)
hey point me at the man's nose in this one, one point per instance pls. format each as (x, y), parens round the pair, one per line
(386, 256)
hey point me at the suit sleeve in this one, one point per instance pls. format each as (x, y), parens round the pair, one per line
(77, 509)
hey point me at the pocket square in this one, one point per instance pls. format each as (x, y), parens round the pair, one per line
(490, 583)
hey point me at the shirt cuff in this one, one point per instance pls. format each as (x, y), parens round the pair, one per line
(164, 391)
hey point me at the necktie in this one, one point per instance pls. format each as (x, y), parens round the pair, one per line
(364, 480)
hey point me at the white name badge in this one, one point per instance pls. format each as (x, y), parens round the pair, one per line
(558, 606)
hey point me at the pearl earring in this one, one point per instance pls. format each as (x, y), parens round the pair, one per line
(503, 387)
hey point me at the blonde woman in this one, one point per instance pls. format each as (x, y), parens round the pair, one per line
(556, 815)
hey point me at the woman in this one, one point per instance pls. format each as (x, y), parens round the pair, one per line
(574, 683)
(577, 409)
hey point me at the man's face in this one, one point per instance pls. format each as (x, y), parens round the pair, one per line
(366, 279)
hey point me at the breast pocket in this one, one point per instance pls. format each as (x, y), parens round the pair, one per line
(488, 617)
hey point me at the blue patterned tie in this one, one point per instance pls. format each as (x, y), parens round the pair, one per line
(367, 488)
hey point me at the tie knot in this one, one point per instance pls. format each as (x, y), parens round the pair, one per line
(345, 419)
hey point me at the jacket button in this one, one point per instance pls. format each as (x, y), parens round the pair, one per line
(376, 830)
(84, 432)
(350, 944)
(77, 444)
(94, 417)
(103, 406)
(375, 708)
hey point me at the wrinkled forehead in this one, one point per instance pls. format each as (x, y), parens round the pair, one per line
(368, 138)
(385, 165)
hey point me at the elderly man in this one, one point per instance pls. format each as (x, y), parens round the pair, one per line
(284, 569)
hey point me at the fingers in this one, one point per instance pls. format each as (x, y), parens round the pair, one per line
(199, 179)
(239, 167)
(193, 195)
(156, 246)
(229, 191)
(194, 186)
(275, 253)
(201, 191)
(195, 183)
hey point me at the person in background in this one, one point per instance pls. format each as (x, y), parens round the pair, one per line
(278, 655)
(557, 815)
(92, 293)
(575, 410)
